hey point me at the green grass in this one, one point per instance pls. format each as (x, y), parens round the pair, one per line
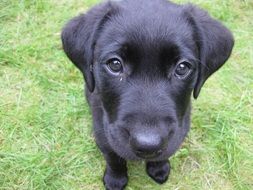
(45, 125)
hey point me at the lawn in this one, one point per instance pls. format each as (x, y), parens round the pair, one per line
(46, 138)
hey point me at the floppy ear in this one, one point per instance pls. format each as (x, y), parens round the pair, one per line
(79, 38)
(215, 43)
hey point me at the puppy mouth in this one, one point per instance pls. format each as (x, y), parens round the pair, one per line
(120, 143)
(151, 155)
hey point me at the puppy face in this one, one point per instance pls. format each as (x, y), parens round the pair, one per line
(145, 75)
(146, 58)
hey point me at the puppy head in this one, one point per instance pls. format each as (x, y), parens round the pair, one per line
(144, 59)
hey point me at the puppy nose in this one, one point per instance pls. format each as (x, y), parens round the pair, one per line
(147, 145)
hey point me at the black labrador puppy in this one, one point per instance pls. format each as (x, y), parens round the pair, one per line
(141, 61)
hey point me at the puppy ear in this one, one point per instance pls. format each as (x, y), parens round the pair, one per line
(79, 38)
(215, 44)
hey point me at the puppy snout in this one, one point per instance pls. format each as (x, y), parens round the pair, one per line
(147, 145)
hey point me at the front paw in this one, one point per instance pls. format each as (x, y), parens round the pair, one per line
(113, 181)
(158, 171)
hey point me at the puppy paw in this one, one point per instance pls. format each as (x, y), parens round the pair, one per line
(114, 181)
(158, 171)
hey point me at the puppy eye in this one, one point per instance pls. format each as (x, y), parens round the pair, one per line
(182, 69)
(115, 65)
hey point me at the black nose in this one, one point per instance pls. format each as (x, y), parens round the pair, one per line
(147, 145)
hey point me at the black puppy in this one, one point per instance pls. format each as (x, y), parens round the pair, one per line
(141, 61)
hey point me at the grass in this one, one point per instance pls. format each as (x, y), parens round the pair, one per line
(45, 125)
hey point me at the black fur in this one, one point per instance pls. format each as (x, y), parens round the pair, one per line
(143, 112)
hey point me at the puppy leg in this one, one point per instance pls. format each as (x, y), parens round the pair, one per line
(115, 176)
(158, 171)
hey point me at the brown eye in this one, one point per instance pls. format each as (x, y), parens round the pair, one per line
(182, 69)
(115, 65)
